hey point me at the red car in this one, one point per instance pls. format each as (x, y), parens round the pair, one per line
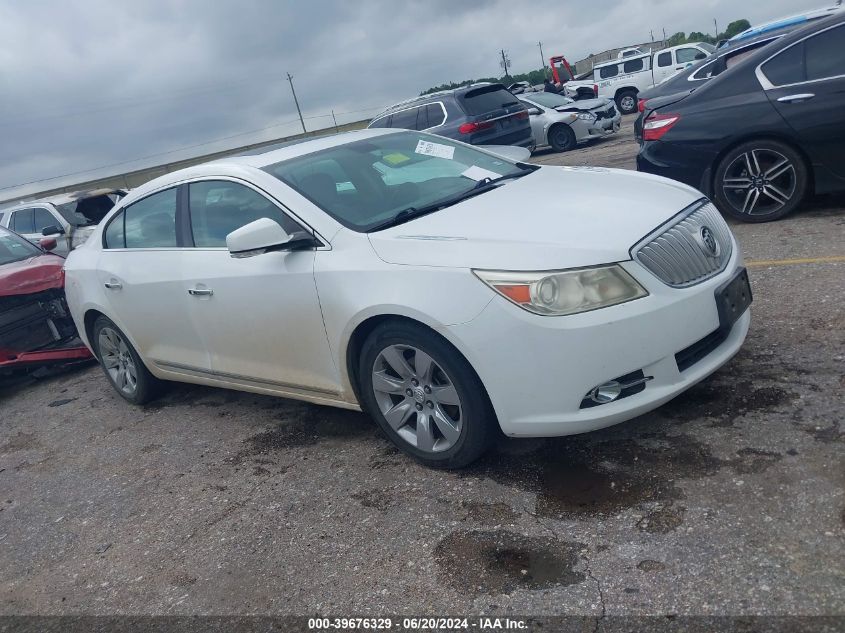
(35, 326)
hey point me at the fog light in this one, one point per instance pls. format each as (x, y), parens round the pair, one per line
(608, 392)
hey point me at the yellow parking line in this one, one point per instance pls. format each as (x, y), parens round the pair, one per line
(791, 262)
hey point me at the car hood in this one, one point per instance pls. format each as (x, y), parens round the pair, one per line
(583, 104)
(35, 274)
(556, 217)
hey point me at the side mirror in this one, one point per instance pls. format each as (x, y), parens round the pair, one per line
(47, 243)
(509, 152)
(263, 236)
(533, 111)
(52, 230)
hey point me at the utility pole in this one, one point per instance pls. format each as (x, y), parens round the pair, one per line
(301, 120)
(717, 28)
(664, 38)
(651, 32)
(335, 122)
(505, 63)
(542, 57)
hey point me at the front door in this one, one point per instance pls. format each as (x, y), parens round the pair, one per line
(259, 316)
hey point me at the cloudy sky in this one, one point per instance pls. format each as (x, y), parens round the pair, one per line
(93, 88)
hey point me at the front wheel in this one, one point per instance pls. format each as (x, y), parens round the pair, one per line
(425, 395)
(121, 363)
(760, 181)
(626, 101)
(562, 138)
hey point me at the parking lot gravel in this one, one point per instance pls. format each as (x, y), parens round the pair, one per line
(728, 500)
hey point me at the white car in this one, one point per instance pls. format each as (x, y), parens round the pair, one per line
(70, 217)
(565, 123)
(440, 287)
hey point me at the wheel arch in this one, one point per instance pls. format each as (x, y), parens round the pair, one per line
(88, 320)
(761, 136)
(619, 91)
(361, 331)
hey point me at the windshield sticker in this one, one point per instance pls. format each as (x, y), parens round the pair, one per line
(479, 173)
(395, 158)
(427, 148)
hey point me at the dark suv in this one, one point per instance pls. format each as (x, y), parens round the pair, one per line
(485, 114)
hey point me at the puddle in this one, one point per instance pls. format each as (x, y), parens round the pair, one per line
(579, 477)
(500, 561)
(753, 460)
(724, 401)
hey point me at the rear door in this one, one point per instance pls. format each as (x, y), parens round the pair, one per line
(806, 84)
(141, 267)
(664, 66)
(22, 223)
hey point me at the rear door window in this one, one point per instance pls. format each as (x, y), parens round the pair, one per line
(151, 222)
(787, 67)
(381, 122)
(405, 119)
(825, 54)
(686, 55)
(436, 115)
(22, 221)
(487, 99)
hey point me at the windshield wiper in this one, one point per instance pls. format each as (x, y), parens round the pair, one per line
(485, 184)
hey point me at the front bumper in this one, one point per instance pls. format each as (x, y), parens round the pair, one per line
(75, 352)
(537, 370)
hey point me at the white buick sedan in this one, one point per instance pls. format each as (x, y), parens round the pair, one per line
(442, 288)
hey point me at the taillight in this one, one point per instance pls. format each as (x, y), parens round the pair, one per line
(469, 128)
(596, 90)
(522, 114)
(641, 104)
(656, 125)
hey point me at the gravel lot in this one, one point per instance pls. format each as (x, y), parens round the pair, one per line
(728, 500)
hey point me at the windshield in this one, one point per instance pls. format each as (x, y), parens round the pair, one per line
(14, 248)
(549, 99)
(365, 183)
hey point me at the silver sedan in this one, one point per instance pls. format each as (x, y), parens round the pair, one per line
(564, 123)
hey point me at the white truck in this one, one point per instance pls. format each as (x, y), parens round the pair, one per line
(622, 79)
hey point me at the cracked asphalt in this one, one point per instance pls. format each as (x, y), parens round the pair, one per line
(729, 500)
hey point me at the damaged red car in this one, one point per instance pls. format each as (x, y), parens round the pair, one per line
(35, 326)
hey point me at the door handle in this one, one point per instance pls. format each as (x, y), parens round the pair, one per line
(200, 292)
(113, 285)
(799, 97)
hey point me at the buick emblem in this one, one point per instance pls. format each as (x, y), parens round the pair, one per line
(707, 242)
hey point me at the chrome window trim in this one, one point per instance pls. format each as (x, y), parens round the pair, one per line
(768, 85)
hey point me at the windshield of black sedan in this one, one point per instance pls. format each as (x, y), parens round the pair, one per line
(365, 183)
(14, 248)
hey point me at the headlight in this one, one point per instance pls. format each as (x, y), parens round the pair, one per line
(565, 291)
(587, 116)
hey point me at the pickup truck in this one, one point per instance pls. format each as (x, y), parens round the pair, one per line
(622, 79)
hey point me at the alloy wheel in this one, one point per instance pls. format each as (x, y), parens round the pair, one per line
(118, 361)
(417, 398)
(627, 104)
(759, 182)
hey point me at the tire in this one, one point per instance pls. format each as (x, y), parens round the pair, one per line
(562, 138)
(440, 415)
(626, 101)
(121, 364)
(760, 181)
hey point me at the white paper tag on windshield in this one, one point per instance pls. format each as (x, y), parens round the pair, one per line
(427, 148)
(479, 173)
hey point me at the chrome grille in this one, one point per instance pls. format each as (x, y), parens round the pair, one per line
(679, 256)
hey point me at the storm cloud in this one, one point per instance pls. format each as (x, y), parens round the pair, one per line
(105, 87)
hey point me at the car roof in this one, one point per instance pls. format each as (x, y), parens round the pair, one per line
(788, 22)
(435, 96)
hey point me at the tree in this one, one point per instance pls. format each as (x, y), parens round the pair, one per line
(678, 38)
(737, 26)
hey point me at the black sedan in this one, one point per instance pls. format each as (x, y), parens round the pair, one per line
(761, 135)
